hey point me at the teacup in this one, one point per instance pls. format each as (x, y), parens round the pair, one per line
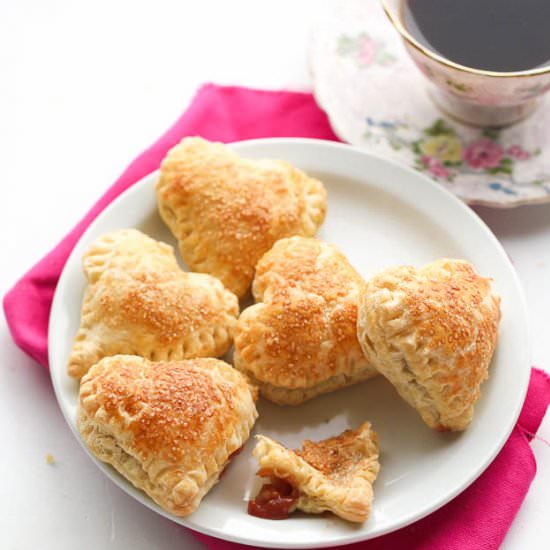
(474, 96)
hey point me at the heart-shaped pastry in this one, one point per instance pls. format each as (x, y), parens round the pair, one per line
(300, 340)
(138, 301)
(168, 427)
(432, 333)
(335, 474)
(226, 211)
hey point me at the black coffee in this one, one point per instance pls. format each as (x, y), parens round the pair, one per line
(496, 35)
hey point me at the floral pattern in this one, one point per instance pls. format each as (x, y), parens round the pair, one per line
(443, 154)
(535, 90)
(444, 147)
(456, 86)
(484, 153)
(363, 50)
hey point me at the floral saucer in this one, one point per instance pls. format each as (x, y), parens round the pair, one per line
(376, 98)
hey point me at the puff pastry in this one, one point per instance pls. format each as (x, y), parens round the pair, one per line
(168, 427)
(300, 340)
(335, 474)
(138, 301)
(227, 211)
(432, 333)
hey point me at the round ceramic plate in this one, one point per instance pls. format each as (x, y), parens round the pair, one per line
(376, 98)
(376, 225)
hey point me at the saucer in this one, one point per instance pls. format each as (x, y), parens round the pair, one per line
(377, 99)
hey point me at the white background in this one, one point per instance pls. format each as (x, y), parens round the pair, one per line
(84, 87)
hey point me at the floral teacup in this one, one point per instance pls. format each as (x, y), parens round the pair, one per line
(474, 96)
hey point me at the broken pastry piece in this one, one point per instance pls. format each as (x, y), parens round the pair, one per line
(300, 339)
(432, 333)
(227, 211)
(334, 475)
(170, 427)
(138, 301)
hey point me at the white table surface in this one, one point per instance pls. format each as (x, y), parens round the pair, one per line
(84, 87)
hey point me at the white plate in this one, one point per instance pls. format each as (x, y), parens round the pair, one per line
(376, 225)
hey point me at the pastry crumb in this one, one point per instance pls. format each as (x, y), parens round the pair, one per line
(50, 459)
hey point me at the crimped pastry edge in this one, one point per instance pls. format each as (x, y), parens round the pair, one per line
(88, 428)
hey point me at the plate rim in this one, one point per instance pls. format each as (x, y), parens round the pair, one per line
(132, 491)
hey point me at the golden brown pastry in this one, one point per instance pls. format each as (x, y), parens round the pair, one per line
(300, 340)
(335, 474)
(138, 301)
(432, 333)
(227, 211)
(168, 427)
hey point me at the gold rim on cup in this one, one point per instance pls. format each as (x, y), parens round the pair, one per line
(397, 23)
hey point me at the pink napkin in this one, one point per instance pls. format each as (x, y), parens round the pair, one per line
(479, 517)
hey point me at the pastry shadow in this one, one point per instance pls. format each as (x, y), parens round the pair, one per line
(328, 519)
(153, 226)
(375, 401)
(347, 404)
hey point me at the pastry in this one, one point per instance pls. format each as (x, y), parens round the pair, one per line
(138, 301)
(300, 339)
(227, 211)
(335, 474)
(432, 333)
(170, 427)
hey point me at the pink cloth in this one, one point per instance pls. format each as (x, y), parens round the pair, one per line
(479, 517)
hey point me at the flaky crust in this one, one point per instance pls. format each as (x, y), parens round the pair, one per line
(335, 474)
(432, 333)
(227, 211)
(138, 301)
(168, 427)
(300, 340)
